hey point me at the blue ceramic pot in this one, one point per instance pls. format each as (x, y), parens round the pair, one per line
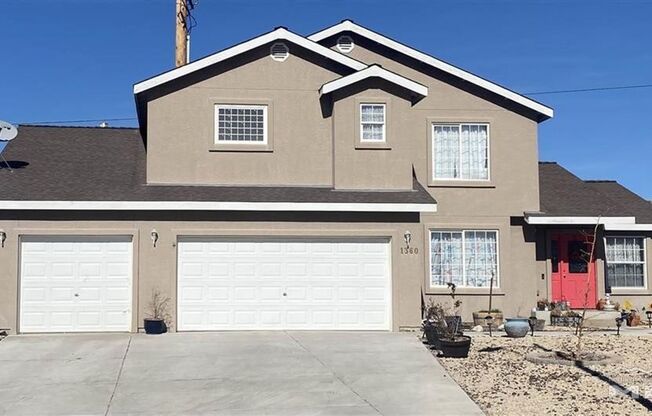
(517, 327)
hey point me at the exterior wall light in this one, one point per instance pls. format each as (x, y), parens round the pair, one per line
(154, 236)
(3, 237)
(408, 238)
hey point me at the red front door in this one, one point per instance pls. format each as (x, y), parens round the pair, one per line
(573, 277)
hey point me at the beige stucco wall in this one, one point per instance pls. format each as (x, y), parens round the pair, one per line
(180, 138)
(156, 267)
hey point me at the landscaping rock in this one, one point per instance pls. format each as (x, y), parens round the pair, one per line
(477, 328)
(498, 377)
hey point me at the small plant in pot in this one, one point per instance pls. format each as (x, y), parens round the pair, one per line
(431, 323)
(157, 313)
(451, 340)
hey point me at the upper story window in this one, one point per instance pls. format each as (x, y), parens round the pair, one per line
(241, 124)
(467, 258)
(372, 123)
(626, 262)
(460, 152)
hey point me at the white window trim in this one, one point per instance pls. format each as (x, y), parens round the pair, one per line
(606, 263)
(217, 140)
(496, 278)
(433, 149)
(384, 123)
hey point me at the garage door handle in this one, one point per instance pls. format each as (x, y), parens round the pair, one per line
(285, 294)
(76, 295)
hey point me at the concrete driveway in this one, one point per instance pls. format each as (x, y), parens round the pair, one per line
(239, 373)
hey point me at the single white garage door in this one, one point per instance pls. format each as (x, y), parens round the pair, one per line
(241, 284)
(75, 284)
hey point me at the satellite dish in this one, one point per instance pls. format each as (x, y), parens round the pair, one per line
(7, 131)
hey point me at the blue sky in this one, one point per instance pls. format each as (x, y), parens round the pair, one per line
(78, 59)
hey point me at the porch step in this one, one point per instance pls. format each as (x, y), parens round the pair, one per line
(600, 319)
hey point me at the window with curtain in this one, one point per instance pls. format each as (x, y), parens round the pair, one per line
(460, 151)
(625, 261)
(467, 258)
(372, 122)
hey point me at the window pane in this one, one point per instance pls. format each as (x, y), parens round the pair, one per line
(241, 124)
(461, 152)
(446, 152)
(446, 258)
(466, 258)
(480, 257)
(372, 119)
(474, 155)
(578, 256)
(625, 262)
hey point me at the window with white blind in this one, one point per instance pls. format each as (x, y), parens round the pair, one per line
(372, 123)
(625, 262)
(467, 258)
(241, 124)
(460, 152)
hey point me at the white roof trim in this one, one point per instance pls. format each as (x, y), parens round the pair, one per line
(277, 34)
(541, 220)
(348, 25)
(213, 206)
(628, 227)
(374, 71)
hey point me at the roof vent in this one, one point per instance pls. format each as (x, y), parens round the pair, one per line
(279, 52)
(345, 44)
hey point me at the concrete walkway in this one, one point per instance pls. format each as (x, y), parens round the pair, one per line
(238, 373)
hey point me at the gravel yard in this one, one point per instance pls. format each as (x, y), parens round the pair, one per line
(497, 376)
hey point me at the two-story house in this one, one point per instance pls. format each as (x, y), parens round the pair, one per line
(332, 181)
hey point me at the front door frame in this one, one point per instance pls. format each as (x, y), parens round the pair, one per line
(561, 278)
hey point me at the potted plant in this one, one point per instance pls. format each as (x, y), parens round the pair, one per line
(543, 311)
(451, 340)
(157, 313)
(431, 324)
(480, 317)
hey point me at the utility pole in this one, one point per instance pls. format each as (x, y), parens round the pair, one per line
(182, 33)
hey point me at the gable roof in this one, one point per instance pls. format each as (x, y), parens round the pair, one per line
(82, 168)
(374, 71)
(280, 33)
(349, 26)
(562, 194)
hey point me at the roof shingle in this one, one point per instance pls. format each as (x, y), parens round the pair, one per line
(108, 164)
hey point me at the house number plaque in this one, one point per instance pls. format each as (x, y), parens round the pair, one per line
(409, 250)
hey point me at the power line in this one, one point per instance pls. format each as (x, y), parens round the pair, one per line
(581, 90)
(622, 87)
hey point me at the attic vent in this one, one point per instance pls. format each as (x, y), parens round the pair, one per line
(279, 52)
(345, 44)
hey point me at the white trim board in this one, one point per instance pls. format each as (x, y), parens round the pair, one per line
(348, 25)
(378, 72)
(540, 220)
(213, 206)
(628, 227)
(276, 34)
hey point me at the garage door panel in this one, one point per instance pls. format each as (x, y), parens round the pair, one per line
(283, 283)
(75, 283)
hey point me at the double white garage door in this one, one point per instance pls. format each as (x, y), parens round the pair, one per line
(84, 284)
(239, 284)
